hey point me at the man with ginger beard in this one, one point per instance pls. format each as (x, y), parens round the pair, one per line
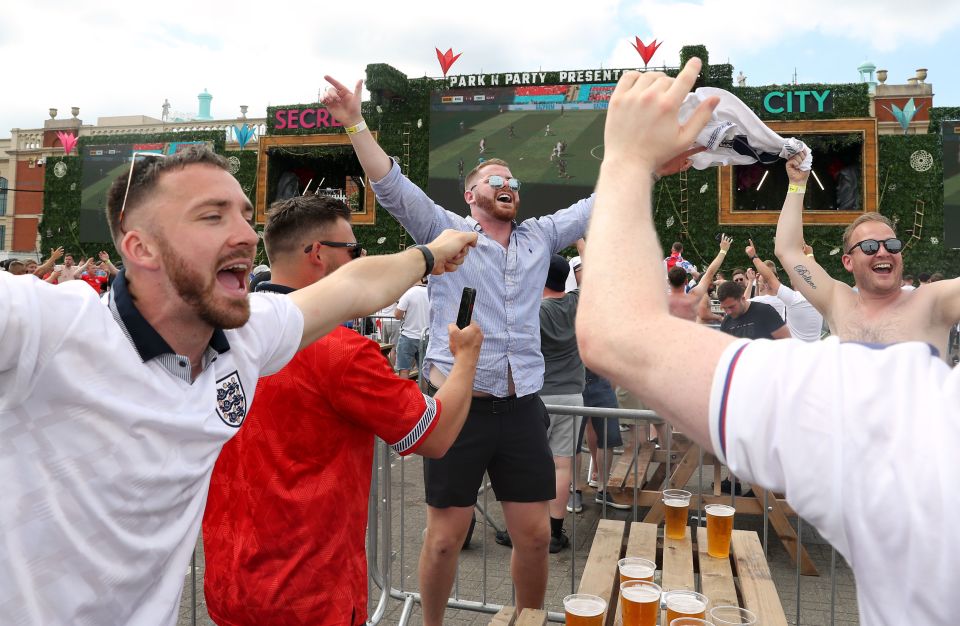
(878, 311)
(505, 433)
(107, 478)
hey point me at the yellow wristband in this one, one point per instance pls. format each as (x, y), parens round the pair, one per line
(810, 255)
(356, 128)
(791, 189)
(722, 252)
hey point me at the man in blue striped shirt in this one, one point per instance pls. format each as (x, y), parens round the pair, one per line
(505, 433)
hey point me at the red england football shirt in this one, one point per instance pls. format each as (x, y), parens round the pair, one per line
(283, 531)
(94, 281)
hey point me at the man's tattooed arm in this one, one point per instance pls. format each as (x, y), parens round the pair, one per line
(805, 274)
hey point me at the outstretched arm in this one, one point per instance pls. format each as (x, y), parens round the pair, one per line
(370, 283)
(677, 358)
(703, 286)
(805, 273)
(47, 266)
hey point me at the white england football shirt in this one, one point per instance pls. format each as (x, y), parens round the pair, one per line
(106, 448)
(863, 441)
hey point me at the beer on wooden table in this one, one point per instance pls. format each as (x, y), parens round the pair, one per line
(719, 529)
(676, 508)
(682, 603)
(640, 603)
(584, 610)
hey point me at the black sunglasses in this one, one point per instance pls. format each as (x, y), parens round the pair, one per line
(355, 250)
(871, 246)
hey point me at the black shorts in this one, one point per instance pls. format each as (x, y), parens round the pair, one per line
(507, 438)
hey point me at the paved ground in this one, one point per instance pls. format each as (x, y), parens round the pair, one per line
(495, 587)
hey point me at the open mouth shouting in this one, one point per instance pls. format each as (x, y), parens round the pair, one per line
(882, 268)
(505, 197)
(233, 277)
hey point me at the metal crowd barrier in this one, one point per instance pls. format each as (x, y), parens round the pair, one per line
(380, 549)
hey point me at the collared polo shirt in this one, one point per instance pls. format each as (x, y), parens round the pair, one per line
(863, 441)
(509, 282)
(106, 448)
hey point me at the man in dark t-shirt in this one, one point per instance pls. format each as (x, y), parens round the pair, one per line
(563, 382)
(750, 320)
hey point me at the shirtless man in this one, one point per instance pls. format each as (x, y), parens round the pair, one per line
(879, 311)
(683, 304)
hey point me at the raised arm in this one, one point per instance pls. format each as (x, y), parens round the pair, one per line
(370, 283)
(47, 266)
(111, 269)
(456, 392)
(805, 273)
(703, 286)
(765, 272)
(677, 358)
(345, 106)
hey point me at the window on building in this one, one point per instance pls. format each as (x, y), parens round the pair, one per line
(3, 195)
(3, 237)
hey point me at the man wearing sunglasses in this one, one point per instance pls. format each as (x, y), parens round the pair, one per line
(106, 475)
(505, 433)
(289, 493)
(841, 428)
(878, 311)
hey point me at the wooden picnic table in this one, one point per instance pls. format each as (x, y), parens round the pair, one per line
(742, 580)
(629, 475)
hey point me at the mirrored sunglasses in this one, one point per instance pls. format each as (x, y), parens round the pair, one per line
(871, 246)
(499, 182)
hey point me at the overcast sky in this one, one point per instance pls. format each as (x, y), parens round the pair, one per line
(125, 58)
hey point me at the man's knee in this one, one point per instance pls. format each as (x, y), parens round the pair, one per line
(445, 535)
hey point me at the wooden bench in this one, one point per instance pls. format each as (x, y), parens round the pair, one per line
(743, 580)
(627, 476)
(600, 576)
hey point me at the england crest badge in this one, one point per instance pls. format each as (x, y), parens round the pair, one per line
(231, 401)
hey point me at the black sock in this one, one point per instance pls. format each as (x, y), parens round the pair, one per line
(556, 525)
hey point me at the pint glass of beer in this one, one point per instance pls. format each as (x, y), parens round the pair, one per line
(676, 505)
(584, 610)
(681, 603)
(635, 568)
(728, 615)
(640, 601)
(719, 529)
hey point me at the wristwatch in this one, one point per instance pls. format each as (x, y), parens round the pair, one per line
(427, 258)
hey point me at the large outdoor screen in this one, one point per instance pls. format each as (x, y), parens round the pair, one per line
(100, 165)
(551, 135)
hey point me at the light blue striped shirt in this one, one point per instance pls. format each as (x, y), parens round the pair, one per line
(509, 283)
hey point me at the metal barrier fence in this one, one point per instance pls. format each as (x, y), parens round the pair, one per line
(380, 549)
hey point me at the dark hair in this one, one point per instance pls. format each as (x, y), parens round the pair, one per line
(146, 173)
(730, 289)
(936, 276)
(677, 276)
(924, 277)
(676, 247)
(290, 222)
(736, 271)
